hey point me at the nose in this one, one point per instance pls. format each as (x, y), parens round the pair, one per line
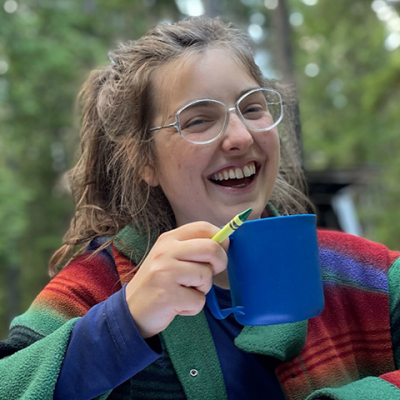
(237, 137)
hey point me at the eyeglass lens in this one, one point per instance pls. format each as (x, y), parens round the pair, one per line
(204, 120)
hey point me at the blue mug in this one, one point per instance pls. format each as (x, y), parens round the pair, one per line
(274, 272)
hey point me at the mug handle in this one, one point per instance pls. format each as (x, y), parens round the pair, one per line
(215, 309)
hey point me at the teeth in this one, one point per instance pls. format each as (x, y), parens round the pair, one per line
(237, 173)
(247, 171)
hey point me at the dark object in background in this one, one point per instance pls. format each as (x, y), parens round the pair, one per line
(330, 192)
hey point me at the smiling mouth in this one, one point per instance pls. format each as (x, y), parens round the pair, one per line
(235, 177)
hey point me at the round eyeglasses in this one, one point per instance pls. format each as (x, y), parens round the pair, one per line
(205, 120)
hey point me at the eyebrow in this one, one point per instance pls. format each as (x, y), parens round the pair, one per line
(247, 90)
(202, 103)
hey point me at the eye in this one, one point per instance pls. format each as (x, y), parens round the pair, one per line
(200, 116)
(254, 111)
(254, 108)
(198, 124)
(195, 122)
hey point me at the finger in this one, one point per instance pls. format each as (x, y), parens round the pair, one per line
(195, 275)
(201, 229)
(203, 251)
(193, 230)
(189, 301)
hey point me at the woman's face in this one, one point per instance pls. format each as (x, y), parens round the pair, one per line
(186, 171)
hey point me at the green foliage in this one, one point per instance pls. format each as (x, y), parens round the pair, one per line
(348, 55)
(13, 222)
(49, 47)
(348, 110)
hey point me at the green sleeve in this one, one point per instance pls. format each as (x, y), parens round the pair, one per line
(394, 298)
(32, 373)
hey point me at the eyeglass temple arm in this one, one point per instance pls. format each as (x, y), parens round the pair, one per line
(157, 128)
(279, 102)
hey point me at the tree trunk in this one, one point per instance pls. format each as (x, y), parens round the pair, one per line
(284, 63)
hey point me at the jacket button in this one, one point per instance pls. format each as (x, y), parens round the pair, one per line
(193, 373)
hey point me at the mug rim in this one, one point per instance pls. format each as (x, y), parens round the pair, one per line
(280, 217)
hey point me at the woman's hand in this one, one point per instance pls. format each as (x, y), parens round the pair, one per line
(175, 276)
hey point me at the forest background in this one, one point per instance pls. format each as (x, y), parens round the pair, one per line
(344, 58)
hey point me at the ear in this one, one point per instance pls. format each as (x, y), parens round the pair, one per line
(149, 176)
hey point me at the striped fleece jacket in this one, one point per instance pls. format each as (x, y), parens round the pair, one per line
(351, 351)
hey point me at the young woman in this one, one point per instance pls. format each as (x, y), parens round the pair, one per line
(179, 134)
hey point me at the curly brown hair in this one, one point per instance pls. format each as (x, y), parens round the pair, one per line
(116, 145)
